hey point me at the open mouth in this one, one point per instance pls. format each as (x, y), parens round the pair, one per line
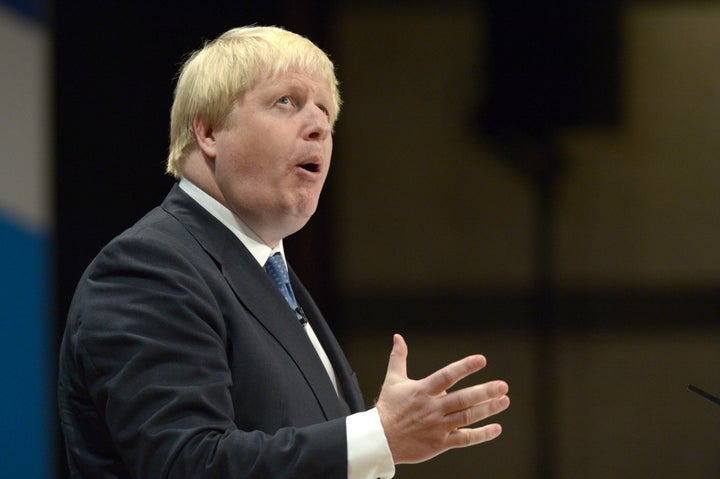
(311, 167)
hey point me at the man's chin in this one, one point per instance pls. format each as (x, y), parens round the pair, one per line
(289, 225)
(296, 223)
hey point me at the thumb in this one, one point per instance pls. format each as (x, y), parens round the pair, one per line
(397, 364)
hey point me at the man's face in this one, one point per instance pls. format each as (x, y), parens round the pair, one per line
(274, 155)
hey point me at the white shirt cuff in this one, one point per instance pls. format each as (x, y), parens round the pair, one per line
(369, 455)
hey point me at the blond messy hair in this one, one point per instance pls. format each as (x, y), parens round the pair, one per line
(212, 79)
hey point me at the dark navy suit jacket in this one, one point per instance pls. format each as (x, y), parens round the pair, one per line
(181, 359)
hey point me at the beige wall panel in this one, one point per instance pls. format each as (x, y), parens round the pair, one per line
(640, 205)
(624, 408)
(424, 205)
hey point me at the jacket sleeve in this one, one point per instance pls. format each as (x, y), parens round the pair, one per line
(149, 346)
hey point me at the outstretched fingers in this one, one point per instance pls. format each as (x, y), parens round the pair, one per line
(473, 395)
(471, 437)
(443, 379)
(468, 406)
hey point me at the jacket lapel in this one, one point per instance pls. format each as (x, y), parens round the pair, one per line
(256, 292)
(345, 374)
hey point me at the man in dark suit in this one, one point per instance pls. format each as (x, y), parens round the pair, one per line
(190, 350)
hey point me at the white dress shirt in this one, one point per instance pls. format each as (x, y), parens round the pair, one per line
(369, 456)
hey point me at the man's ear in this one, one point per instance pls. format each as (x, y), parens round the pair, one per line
(205, 137)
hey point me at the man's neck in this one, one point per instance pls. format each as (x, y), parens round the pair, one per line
(252, 241)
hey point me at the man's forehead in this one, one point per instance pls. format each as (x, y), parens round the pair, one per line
(293, 78)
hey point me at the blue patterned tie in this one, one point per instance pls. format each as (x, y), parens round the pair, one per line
(275, 268)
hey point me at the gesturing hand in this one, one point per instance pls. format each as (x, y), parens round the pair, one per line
(421, 419)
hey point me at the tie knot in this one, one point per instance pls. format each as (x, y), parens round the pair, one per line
(275, 267)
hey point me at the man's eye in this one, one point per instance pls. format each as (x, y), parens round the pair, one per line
(285, 100)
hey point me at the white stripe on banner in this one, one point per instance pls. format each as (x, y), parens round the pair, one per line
(27, 428)
(24, 119)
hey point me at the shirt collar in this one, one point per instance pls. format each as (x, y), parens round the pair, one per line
(259, 250)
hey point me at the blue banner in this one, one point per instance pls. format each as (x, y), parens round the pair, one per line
(27, 331)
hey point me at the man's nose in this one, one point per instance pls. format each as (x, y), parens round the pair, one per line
(318, 124)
